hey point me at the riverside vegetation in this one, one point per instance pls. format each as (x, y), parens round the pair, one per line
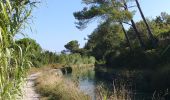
(13, 61)
(138, 56)
(57, 87)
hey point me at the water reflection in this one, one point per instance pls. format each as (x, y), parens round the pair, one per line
(141, 85)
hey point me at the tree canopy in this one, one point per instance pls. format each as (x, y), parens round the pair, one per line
(72, 46)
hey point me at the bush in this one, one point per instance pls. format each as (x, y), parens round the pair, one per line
(75, 59)
(135, 59)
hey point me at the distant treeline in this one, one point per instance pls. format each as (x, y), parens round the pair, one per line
(40, 57)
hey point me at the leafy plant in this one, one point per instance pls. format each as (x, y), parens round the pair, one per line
(13, 62)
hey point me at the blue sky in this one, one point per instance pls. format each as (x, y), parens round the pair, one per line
(53, 22)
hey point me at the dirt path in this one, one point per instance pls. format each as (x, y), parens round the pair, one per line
(29, 88)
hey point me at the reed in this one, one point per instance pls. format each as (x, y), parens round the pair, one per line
(13, 62)
(119, 92)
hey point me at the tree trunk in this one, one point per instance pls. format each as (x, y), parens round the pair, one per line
(135, 29)
(151, 37)
(126, 36)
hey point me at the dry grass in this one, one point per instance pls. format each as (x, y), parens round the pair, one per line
(118, 93)
(45, 68)
(53, 87)
(49, 67)
(55, 66)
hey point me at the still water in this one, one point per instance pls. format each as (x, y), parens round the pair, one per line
(138, 85)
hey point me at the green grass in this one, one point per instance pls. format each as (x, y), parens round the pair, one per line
(75, 59)
(13, 62)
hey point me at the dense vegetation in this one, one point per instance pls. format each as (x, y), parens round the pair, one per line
(143, 44)
(19, 55)
(40, 57)
(13, 63)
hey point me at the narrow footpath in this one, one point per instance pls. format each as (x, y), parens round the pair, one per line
(29, 88)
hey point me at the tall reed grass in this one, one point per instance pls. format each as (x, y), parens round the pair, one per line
(117, 93)
(13, 63)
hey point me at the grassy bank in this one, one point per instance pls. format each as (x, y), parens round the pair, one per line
(118, 93)
(52, 87)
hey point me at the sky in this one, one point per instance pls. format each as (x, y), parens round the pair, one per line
(54, 24)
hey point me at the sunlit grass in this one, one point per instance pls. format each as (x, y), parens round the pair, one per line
(53, 87)
(13, 62)
(117, 93)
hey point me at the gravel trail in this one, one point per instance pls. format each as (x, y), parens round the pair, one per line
(29, 88)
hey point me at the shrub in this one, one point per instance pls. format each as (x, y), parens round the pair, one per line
(135, 59)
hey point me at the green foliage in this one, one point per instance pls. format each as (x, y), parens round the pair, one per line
(102, 9)
(106, 38)
(107, 44)
(13, 60)
(72, 46)
(162, 25)
(47, 57)
(159, 27)
(75, 59)
(31, 48)
(28, 44)
(165, 54)
(135, 59)
(35, 54)
(39, 57)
